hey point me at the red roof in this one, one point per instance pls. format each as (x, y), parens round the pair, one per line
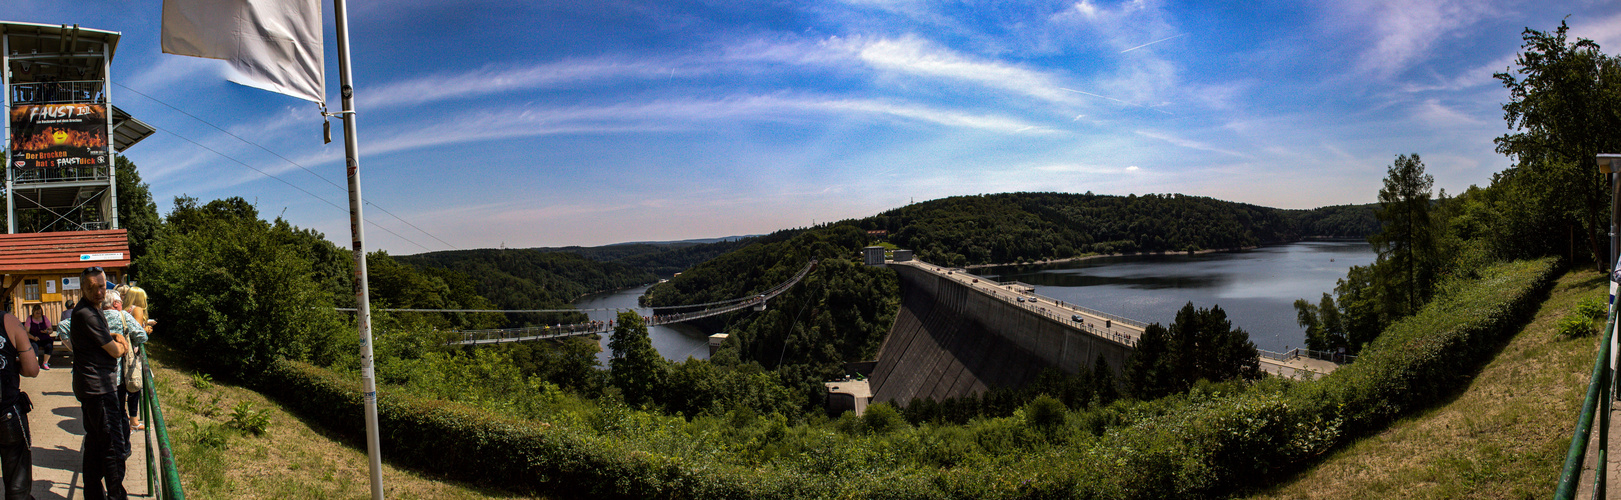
(63, 250)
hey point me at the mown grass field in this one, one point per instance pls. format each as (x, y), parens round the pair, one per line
(1504, 436)
(289, 460)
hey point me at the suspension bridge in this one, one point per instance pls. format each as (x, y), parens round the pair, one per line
(495, 336)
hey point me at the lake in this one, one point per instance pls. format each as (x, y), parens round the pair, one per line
(675, 342)
(1256, 287)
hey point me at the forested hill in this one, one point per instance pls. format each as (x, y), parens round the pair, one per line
(1019, 227)
(663, 259)
(533, 279)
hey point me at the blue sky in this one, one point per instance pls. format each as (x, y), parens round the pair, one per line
(584, 123)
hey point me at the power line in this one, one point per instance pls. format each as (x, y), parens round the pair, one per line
(284, 181)
(290, 161)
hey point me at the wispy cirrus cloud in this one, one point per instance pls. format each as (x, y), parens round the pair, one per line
(1405, 32)
(1187, 143)
(915, 56)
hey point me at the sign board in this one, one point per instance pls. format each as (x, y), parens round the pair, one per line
(70, 283)
(59, 135)
(50, 286)
(84, 257)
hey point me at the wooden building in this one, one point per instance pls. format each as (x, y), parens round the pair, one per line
(43, 268)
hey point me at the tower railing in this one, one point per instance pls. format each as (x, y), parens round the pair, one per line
(62, 92)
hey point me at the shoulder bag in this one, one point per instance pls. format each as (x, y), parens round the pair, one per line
(132, 364)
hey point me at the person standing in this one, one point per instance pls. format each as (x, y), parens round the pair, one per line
(121, 322)
(135, 305)
(16, 459)
(39, 332)
(95, 366)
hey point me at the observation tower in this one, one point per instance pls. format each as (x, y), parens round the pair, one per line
(60, 174)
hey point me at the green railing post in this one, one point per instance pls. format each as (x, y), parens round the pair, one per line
(168, 475)
(1597, 392)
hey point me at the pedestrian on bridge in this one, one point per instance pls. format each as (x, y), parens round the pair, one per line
(95, 368)
(16, 458)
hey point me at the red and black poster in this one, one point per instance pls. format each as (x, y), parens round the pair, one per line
(59, 135)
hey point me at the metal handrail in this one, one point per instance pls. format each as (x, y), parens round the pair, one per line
(163, 478)
(78, 91)
(1598, 389)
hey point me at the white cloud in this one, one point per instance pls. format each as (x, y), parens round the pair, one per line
(742, 57)
(916, 56)
(1440, 116)
(1405, 31)
(172, 70)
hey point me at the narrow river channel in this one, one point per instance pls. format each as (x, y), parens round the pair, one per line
(1256, 287)
(675, 341)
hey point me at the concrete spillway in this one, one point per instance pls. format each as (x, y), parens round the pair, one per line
(953, 337)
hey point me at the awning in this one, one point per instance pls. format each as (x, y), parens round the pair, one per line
(73, 250)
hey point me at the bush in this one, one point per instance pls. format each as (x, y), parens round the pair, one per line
(1592, 308)
(1576, 325)
(882, 418)
(1045, 413)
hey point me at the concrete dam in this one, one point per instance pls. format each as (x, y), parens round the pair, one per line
(957, 334)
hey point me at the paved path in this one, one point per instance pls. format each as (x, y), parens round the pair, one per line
(58, 436)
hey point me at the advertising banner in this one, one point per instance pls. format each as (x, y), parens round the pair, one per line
(59, 135)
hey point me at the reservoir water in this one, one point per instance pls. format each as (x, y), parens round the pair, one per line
(1256, 287)
(675, 341)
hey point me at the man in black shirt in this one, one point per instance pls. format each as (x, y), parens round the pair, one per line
(95, 363)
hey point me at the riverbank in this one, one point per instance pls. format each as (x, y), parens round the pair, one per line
(1102, 255)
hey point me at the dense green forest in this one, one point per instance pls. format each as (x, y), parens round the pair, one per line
(1020, 227)
(663, 259)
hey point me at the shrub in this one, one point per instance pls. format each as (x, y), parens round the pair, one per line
(1576, 325)
(1592, 308)
(246, 419)
(1045, 413)
(882, 418)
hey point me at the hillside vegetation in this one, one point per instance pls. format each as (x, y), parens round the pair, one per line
(1503, 436)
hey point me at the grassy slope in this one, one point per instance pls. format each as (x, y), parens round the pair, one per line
(1504, 436)
(291, 460)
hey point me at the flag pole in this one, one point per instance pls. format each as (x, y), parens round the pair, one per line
(351, 152)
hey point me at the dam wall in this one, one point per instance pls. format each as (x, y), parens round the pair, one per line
(954, 336)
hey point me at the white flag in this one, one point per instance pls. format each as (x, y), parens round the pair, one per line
(273, 44)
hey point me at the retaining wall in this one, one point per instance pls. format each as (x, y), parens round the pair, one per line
(951, 340)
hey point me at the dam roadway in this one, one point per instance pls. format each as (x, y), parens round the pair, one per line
(958, 334)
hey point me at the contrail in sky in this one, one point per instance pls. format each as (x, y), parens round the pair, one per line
(1153, 42)
(1112, 99)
